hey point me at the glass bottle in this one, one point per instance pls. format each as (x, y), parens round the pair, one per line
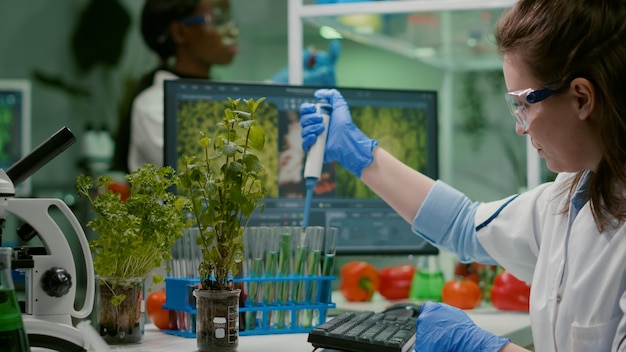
(428, 280)
(12, 331)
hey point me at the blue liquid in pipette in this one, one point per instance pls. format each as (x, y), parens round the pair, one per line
(310, 184)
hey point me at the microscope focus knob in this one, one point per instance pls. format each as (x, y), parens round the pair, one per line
(56, 282)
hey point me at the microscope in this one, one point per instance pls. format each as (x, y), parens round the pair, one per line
(49, 270)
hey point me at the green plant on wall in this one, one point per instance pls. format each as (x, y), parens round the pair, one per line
(477, 91)
(476, 88)
(5, 134)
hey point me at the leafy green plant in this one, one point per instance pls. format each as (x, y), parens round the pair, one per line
(135, 235)
(225, 186)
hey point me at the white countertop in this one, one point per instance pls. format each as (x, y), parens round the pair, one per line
(514, 325)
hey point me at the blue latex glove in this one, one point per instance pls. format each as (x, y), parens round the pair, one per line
(444, 328)
(345, 143)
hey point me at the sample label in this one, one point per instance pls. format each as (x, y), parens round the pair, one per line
(220, 327)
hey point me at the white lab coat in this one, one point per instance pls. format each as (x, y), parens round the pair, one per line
(146, 133)
(578, 280)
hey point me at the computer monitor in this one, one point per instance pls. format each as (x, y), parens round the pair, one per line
(15, 126)
(403, 121)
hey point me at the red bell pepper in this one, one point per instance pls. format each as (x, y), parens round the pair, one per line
(510, 293)
(359, 281)
(395, 281)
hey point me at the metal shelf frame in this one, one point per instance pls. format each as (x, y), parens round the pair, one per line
(298, 12)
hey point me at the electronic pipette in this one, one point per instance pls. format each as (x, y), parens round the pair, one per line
(315, 160)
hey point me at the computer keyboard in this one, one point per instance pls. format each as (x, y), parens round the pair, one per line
(365, 332)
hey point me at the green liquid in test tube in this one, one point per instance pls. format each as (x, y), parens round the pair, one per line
(284, 268)
(254, 290)
(298, 270)
(254, 238)
(328, 267)
(305, 317)
(314, 240)
(256, 271)
(271, 271)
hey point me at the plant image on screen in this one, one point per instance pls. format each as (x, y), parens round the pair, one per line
(196, 116)
(6, 127)
(400, 131)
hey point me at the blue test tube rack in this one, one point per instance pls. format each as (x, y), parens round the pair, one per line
(179, 298)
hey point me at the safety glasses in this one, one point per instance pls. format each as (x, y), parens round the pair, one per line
(219, 17)
(518, 102)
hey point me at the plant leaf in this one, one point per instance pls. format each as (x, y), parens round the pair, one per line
(252, 163)
(256, 137)
(117, 299)
(229, 149)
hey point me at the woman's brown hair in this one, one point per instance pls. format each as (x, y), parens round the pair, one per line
(558, 40)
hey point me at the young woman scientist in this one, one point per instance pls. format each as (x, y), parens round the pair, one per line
(189, 36)
(564, 64)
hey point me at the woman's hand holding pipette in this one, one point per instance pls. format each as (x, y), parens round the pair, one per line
(345, 143)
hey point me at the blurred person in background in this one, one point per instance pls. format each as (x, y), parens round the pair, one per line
(190, 37)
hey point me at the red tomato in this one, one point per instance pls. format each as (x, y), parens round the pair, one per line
(463, 294)
(466, 270)
(154, 307)
(121, 188)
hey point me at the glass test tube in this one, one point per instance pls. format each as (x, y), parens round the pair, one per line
(314, 240)
(191, 252)
(169, 264)
(177, 318)
(254, 245)
(328, 266)
(196, 255)
(187, 245)
(300, 251)
(286, 234)
(271, 271)
(183, 319)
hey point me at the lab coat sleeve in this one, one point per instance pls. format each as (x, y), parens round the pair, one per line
(146, 143)
(510, 229)
(619, 342)
(504, 232)
(446, 220)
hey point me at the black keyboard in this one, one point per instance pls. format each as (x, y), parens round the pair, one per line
(365, 332)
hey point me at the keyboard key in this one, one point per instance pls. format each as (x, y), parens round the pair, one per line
(336, 321)
(365, 332)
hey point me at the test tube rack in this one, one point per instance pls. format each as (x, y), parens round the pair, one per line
(179, 299)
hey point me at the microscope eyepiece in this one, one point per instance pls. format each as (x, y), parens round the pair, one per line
(41, 155)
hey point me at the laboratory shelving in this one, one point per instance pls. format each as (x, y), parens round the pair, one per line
(450, 35)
